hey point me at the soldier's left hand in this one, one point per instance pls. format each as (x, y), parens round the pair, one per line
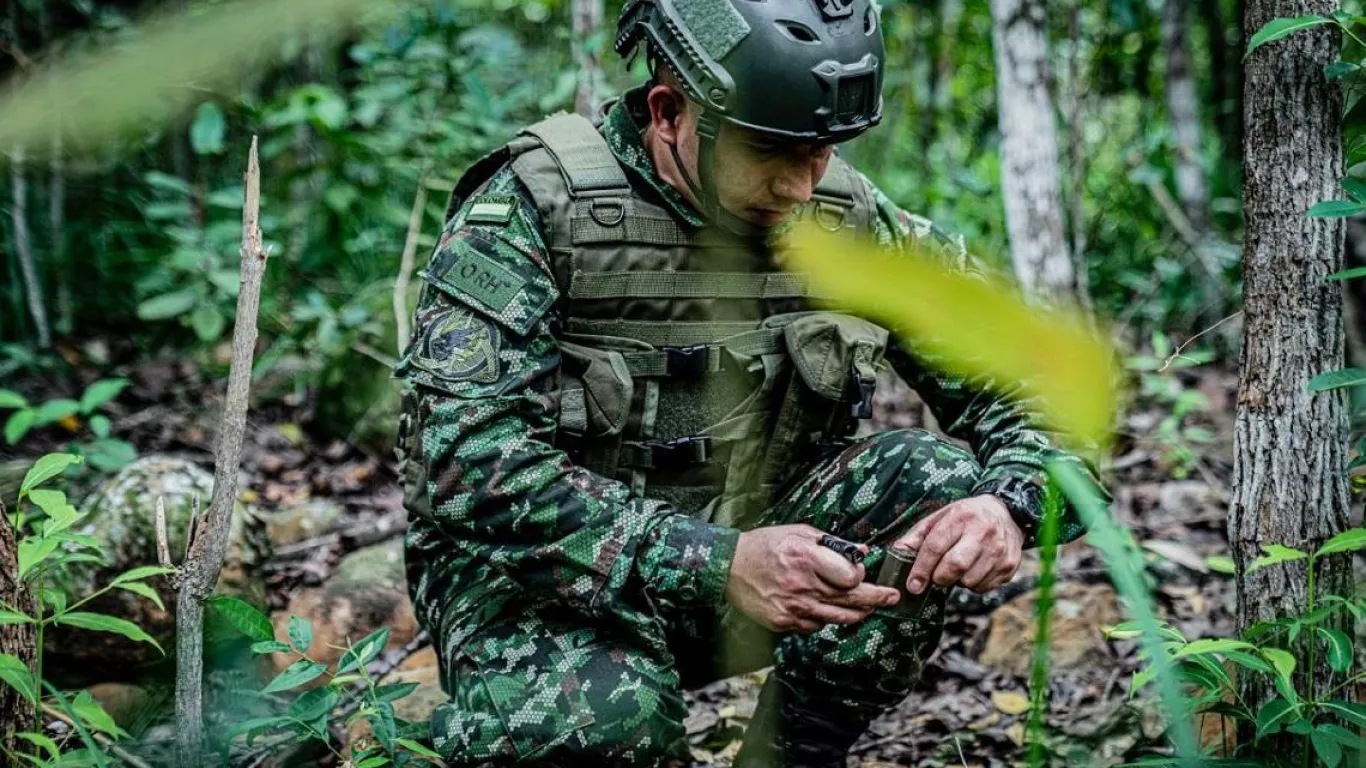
(972, 542)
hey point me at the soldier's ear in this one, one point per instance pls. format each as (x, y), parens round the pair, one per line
(668, 108)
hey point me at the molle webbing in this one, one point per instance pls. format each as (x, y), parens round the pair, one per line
(588, 165)
(687, 285)
(615, 220)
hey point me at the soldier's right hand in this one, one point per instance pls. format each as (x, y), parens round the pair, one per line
(785, 580)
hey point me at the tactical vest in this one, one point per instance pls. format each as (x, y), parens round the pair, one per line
(693, 367)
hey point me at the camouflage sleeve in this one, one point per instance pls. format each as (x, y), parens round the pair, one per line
(482, 370)
(995, 418)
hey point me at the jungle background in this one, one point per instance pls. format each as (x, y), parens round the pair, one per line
(120, 259)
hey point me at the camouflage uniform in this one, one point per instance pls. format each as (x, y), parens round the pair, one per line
(568, 611)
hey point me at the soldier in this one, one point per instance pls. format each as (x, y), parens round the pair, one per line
(626, 429)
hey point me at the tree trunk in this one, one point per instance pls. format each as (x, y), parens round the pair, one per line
(23, 249)
(1029, 148)
(1183, 114)
(1289, 445)
(587, 22)
(1223, 78)
(16, 713)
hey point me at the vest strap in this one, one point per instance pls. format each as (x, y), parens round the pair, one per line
(700, 359)
(662, 333)
(687, 285)
(587, 163)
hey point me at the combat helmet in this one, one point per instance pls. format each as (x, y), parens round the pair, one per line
(804, 70)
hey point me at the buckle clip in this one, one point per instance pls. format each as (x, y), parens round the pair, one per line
(687, 361)
(684, 450)
(864, 386)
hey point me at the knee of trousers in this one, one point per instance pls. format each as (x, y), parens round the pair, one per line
(931, 469)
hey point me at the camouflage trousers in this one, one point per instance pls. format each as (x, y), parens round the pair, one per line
(536, 686)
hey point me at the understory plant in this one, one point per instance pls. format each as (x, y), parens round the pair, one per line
(103, 452)
(47, 542)
(303, 711)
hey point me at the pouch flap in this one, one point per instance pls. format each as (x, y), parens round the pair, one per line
(828, 347)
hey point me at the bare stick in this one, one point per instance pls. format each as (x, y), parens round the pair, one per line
(405, 267)
(23, 248)
(104, 741)
(210, 546)
(163, 542)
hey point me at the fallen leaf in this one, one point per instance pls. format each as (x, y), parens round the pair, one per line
(983, 723)
(1016, 733)
(1010, 702)
(1178, 553)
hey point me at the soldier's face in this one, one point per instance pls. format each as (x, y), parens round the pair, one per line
(758, 178)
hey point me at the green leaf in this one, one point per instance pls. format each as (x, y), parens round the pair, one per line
(1352, 713)
(1335, 209)
(1339, 69)
(101, 392)
(1274, 715)
(314, 704)
(92, 714)
(165, 182)
(10, 617)
(18, 425)
(45, 469)
(393, 691)
(39, 740)
(1213, 645)
(1327, 747)
(1344, 736)
(168, 305)
(208, 130)
(1348, 274)
(1275, 553)
(99, 424)
(258, 724)
(373, 762)
(1339, 649)
(207, 322)
(1347, 377)
(98, 622)
(1221, 564)
(33, 551)
(1280, 28)
(365, 651)
(140, 573)
(1356, 188)
(300, 633)
(418, 749)
(1283, 661)
(146, 590)
(270, 646)
(244, 617)
(1348, 541)
(55, 410)
(110, 454)
(16, 674)
(296, 674)
(11, 399)
(229, 281)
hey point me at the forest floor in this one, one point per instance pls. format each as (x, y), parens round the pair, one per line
(970, 706)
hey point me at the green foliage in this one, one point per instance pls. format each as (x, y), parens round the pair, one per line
(349, 695)
(1310, 713)
(47, 542)
(1161, 383)
(104, 453)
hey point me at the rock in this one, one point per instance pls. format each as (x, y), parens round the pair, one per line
(121, 516)
(366, 591)
(1075, 637)
(122, 701)
(302, 521)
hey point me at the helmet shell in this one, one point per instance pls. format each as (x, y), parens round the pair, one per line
(807, 70)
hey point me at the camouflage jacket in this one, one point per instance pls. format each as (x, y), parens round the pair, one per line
(507, 511)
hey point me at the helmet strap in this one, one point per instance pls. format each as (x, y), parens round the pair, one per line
(708, 125)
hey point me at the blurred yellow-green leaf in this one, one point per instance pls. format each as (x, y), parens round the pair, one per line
(971, 325)
(170, 65)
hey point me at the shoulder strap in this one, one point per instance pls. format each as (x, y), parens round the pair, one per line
(587, 163)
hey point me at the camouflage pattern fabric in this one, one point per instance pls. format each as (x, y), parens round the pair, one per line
(557, 597)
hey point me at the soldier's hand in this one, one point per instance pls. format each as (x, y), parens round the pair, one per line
(973, 542)
(785, 580)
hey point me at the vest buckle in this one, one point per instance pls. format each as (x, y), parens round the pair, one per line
(671, 454)
(608, 211)
(864, 386)
(691, 362)
(830, 216)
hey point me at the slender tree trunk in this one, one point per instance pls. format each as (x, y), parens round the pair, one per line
(587, 22)
(23, 249)
(1070, 94)
(1289, 445)
(1183, 113)
(18, 640)
(1223, 77)
(1029, 148)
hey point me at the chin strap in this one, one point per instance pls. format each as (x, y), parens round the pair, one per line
(708, 125)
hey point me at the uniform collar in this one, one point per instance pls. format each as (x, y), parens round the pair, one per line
(624, 129)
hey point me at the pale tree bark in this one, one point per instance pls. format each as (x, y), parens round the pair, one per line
(19, 640)
(1183, 114)
(23, 248)
(587, 22)
(1290, 446)
(1030, 178)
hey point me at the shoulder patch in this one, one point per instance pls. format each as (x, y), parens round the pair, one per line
(479, 268)
(459, 345)
(491, 209)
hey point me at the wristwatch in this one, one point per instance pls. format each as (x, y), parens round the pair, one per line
(1022, 499)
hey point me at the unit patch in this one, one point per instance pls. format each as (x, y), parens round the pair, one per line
(491, 209)
(485, 279)
(461, 346)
